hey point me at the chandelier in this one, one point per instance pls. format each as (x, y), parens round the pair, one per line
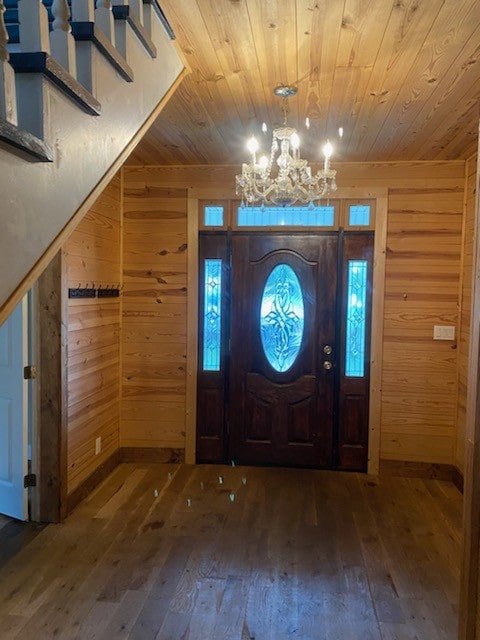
(284, 178)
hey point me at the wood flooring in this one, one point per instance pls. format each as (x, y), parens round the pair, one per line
(178, 552)
(14, 536)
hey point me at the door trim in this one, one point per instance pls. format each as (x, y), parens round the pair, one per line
(49, 415)
(376, 347)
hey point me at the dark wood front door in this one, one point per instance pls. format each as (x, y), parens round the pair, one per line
(281, 378)
(291, 332)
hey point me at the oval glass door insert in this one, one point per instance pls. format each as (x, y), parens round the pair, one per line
(282, 317)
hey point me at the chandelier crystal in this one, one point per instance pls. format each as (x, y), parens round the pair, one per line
(284, 178)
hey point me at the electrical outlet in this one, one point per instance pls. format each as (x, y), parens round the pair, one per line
(98, 445)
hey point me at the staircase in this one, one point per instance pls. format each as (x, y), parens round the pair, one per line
(80, 81)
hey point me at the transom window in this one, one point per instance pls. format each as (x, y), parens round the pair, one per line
(349, 214)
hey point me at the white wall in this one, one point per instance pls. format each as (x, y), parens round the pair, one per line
(38, 199)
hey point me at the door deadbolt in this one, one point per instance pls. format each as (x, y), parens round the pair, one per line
(327, 349)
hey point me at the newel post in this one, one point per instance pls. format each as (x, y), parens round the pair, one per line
(8, 100)
(104, 19)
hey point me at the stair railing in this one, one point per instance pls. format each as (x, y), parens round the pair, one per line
(64, 53)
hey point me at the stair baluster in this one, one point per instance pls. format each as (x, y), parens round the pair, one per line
(62, 42)
(8, 100)
(4, 55)
(33, 19)
(104, 19)
(83, 10)
(136, 7)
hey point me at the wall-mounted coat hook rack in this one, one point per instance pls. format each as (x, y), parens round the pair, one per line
(82, 292)
(108, 291)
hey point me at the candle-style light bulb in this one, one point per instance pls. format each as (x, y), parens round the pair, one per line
(263, 162)
(307, 122)
(264, 127)
(340, 132)
(327, 152)
(252, 145)
(295, 140)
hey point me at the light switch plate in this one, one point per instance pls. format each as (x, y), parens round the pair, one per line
(443, 332)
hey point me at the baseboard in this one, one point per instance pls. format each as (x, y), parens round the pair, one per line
(408, 469)
(94, 479)
(162, 455)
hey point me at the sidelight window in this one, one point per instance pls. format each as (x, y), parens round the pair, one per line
(356, 318)
(212, 315)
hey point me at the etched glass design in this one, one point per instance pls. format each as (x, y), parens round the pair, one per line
(282, 317)
(356, 318)
(359, 215)
(286, 216)
(213, 216)
(212, 318)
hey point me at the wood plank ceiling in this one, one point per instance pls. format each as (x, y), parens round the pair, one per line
(402, 77)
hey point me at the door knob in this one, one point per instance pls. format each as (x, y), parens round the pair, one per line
(327, 365)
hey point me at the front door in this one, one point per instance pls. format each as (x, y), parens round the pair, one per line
(283, 294)
(13, 415)
(284, 349)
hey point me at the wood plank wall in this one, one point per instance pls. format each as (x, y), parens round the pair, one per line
(419, 378)
(424, 253)
(466, 307)
(154, 313)
(93, 255)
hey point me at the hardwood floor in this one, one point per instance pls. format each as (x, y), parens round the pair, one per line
(176, 552)
(14, 536)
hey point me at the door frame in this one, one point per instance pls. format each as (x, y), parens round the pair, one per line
(49, 409)
(376, 348)
(48, 355)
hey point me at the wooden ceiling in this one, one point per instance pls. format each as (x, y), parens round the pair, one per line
(402, 77)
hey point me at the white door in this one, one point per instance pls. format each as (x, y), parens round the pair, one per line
(13, 414)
